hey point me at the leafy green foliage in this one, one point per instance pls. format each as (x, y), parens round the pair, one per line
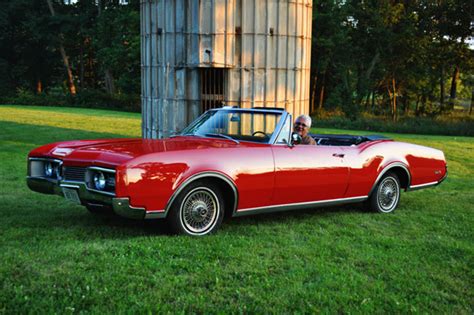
(25, 54)
(98, 36)
(453, 124)
(57, 258)
(389, 57)
(86, 98)
(118, 47)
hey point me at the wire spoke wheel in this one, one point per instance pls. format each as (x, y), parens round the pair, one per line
(388, 194)
(199, 210)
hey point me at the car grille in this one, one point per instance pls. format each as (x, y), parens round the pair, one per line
(74, 173)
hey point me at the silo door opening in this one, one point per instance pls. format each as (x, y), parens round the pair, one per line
(213, 83)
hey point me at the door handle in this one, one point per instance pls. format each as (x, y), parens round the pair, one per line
(339, 155)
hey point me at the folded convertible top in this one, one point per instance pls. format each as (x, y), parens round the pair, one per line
(345, 140)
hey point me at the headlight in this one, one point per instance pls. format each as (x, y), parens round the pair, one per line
(48, 169)
(99, 180)
(52, 169)
(45, 168)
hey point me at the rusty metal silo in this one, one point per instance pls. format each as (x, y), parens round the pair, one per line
(202, 54)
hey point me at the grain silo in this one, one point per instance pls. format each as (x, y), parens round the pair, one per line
(200, 54)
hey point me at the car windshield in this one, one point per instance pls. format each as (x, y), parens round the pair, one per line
(237, 125)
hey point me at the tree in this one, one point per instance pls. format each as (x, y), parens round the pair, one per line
(118, 48)
(65, 58)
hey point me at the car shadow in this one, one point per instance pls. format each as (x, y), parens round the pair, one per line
(124, 227)
(131, 227)
(298, 215)
(76, 221)
(114, 226)
(110, 226)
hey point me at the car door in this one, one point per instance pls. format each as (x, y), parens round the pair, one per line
(305, 173)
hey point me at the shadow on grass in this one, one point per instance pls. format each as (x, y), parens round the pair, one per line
(299, 215)
(82, 224)
(132, 227)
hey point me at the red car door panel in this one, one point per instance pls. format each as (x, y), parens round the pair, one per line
(306, 173)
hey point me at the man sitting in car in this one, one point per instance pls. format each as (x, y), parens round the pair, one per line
(301, 126)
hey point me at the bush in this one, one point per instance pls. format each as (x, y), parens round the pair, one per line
(452, 124)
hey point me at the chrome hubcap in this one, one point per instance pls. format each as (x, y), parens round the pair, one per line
(199, 210)
(388, 194)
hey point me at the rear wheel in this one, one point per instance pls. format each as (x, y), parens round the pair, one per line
(386, 195)
(198, 210)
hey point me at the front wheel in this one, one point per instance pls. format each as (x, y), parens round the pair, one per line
(198, 210)
(386, 194)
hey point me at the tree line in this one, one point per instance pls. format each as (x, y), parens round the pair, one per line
(70, 48)
(385, 57)
(390, 57)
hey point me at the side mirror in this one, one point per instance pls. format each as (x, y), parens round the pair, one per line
(295, 138)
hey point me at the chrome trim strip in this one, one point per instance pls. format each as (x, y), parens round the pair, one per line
(69, 186)
(388, 168)
(299, 205)
(197, 176)
(278, 127)
(250, 110)
(421, 186)
(45, 159)
(72, 182)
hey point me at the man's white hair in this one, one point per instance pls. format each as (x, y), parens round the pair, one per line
(306, 118)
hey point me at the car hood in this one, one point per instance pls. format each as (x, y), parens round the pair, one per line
(112, 152)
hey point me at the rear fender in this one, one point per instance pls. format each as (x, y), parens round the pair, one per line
(394, 166)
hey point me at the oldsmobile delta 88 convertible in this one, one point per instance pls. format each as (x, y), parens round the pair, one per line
(231, 162)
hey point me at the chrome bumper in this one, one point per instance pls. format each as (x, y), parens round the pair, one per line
(121, 206)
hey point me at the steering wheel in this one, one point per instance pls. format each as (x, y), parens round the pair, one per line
(261, 132)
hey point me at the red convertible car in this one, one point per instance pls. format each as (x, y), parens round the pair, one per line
(231, 162)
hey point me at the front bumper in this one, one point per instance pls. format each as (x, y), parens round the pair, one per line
(121, 206)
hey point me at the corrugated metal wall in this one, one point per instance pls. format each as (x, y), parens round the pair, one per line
(262, 46)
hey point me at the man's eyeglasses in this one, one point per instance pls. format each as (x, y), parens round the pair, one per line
(300, 124)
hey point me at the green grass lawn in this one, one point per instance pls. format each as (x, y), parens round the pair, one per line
(55, 257)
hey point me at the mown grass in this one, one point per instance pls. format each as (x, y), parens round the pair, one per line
(57, 258)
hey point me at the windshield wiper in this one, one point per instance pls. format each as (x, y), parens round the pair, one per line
(220, 135)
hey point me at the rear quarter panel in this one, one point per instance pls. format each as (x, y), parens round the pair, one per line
(368, 160)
